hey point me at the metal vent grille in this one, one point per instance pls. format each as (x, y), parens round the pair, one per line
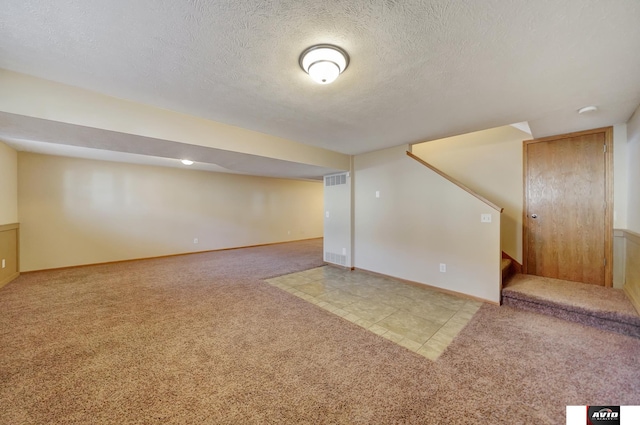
(335, 180)
(331, 257)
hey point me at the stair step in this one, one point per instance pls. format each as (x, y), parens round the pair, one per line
(590, 305)
(507, 270)
(505, 263)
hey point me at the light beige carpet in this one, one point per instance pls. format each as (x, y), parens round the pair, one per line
(201, 339)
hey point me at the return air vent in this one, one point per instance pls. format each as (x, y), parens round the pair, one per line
(331, 257)
(335, 180)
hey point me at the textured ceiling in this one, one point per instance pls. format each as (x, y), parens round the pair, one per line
(419, 70)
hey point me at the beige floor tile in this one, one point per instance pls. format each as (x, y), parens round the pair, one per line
(329, 282)
(397, 301)
(340, 312)
(379, 330)
(364, 323)
(409, 325)
(441, 338)
(352, 318)
(287, 281)
(458, 322)
(370, 310)
(451, 329)
(473, 303)
(297, 280)
(315, 288)
(434, 313)
(471, 308)
(339, 298)
(463, 315)
(419, 337)
(409, 344)
(429, 352)
(361, 290)
(330, 307)
(313, 273)
(392, 336)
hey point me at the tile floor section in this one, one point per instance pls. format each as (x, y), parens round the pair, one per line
(422, 320)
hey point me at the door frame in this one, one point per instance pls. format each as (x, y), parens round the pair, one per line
(608, 187)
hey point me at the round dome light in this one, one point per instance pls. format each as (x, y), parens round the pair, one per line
(324, 62)
(587, 109)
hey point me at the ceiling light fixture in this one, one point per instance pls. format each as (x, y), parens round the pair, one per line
(324, 62)
(587, 109)
(186, 161)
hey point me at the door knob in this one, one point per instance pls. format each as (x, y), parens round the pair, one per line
(534, 215)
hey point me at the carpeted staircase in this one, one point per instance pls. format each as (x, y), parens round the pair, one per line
(591, 305)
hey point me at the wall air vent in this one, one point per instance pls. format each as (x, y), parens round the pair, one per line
(339, 259)
(335, 180)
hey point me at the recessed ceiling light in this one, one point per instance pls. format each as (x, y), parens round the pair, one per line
(587, 109)
(186, 161)
(324, 62)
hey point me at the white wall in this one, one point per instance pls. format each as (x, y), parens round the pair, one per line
(337, 220)
(633, 169)
(8, 185)
(77, 211)
(419, 221)
(490, 163)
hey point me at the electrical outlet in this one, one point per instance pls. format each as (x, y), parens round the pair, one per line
(377, 193)
(485, 218)
(344, 251)
(443, 268)
(327, 214)
(195, 240)
(3, 264)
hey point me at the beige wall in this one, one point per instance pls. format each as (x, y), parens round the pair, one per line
(76, 211)
(620, 176)
(8, 185)
(632, 268)
(419, 221)
(633, 170)
(490, 163)
(35, 97)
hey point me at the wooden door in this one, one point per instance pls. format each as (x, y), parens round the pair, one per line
(567, 213)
